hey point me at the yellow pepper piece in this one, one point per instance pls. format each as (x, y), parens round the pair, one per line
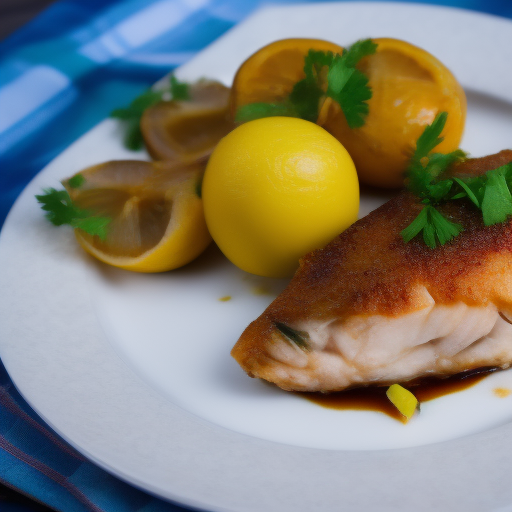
(402, 399)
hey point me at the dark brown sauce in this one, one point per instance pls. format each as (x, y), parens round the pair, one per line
(375, 399)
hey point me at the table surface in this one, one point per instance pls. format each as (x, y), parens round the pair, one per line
(11, 500)
(13, 15)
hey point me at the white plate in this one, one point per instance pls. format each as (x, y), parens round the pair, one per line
(134, 370)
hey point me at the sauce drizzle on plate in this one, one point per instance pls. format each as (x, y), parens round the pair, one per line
(374, 398)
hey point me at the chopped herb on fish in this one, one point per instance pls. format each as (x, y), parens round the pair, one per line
(434, 226)
(300, 338)
(490, 193)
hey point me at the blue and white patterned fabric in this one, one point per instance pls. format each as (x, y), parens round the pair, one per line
(59, 76)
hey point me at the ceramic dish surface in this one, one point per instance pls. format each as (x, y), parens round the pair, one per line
(134, 370)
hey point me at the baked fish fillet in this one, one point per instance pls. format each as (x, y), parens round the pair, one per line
(369, 309)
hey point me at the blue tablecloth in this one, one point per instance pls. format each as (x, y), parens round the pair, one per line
(59, 76)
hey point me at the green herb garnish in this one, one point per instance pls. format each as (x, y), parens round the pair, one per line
(490, 192)
(299, 338)
(76, 181)
(434, 226)
(348, 86)
(180, 91)
(496, 204)
(258, 110)
(61, 210)
(131, 115)
(423, 172)
(345, 84)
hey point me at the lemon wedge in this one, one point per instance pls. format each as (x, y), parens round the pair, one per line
(155, 211)
(187, 130)
(269, 75)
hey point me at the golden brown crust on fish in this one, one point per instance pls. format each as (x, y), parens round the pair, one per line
(369, 270)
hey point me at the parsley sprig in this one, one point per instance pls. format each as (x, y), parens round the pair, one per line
(490, 193)
(131, 115)
(345, 84)
(61, 210)
(349, 86)
(434, 226)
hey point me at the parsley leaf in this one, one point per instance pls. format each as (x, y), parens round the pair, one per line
(349, 86)
(131, 115)
(180, 91)
(497, 201)
(416, 226)
(76, 181)
(345, 84)
(314, 63)
(490, 193)
(305, 99)
(358, 50)
(435, 227)
(353, 95)
(61, 210)
(438, 190)
(444, 229)
(258, 110)
(467, 192)
(425, 167)
(424, 170)
(93, 225)
(430, 138)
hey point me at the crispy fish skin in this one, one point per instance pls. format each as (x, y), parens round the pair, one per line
(374, 310)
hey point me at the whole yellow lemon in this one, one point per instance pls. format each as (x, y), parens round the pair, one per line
(275, 189)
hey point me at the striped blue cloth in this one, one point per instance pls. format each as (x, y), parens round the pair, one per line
(59, 76)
